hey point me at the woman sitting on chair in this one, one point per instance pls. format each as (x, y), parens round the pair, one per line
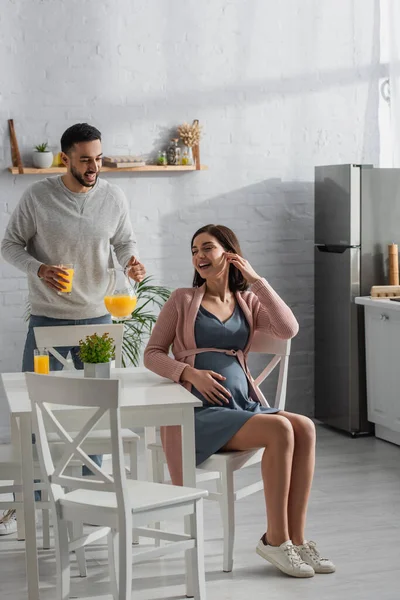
(210, 328)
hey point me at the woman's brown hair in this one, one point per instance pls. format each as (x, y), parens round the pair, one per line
(230, 243)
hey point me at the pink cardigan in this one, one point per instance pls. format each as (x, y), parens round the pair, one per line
(264, 310)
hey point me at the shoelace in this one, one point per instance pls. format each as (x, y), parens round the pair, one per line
(293, 555)
(7, 518)
(311, 548)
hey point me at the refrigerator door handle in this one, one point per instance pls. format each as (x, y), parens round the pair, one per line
(335, 248)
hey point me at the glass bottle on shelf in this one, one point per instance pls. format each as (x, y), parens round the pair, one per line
(162, 158)
(185, 158)
(173, 153)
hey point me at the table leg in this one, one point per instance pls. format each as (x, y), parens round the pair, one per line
(29, 508)
(189, 480)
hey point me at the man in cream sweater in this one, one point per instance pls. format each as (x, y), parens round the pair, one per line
(74, 218)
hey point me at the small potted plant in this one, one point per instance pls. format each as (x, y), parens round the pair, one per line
(42, 157)
(96, 353)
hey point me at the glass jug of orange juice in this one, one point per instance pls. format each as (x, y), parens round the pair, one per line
(120, 299)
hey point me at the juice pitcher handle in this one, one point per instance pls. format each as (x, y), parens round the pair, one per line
(112, 280)
(132, 283)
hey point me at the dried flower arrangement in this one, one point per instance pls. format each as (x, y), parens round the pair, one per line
(190, 134)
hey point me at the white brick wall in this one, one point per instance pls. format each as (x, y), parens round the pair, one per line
(278, 86)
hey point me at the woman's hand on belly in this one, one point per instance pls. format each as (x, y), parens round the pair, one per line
(206, 382)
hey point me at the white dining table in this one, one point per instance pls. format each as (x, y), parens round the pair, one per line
(148, 401)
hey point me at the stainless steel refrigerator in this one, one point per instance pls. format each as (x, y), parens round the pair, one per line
(357, 214)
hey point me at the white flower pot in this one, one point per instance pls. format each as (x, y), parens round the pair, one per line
(97, 370)
(42, 160)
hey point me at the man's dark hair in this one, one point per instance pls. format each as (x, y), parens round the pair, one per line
(81, 132)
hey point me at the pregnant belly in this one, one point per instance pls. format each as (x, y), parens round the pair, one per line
(228, 366)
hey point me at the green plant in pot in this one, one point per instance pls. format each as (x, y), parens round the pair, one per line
(42, 157)
(96, 352)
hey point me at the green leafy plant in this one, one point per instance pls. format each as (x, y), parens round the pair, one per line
(42, 147)
(97, 349)
(139, 326)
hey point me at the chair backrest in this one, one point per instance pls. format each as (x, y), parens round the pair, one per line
(50, 338)
(280, 349)
(98, 401)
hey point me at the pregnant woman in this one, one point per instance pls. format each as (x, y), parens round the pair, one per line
(210, 328)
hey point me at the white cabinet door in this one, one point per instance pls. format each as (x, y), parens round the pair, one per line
(382, 332)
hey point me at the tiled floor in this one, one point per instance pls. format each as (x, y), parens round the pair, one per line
(354, 515)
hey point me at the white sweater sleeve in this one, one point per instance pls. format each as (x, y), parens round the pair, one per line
(20, 229)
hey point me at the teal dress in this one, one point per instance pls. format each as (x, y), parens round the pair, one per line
(216, 425)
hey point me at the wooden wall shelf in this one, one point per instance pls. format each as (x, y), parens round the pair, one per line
(145, 169)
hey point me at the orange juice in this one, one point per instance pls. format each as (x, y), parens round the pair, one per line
(120, 306)
(41, 364)
(68, 286)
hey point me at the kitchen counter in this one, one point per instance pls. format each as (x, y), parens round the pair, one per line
(382, 354)
(378, 303)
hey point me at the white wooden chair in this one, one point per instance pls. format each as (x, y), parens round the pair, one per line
(113, 503)
(97, 442)
(11, 484)
(223, 465)
(51, 338)
(10, 470)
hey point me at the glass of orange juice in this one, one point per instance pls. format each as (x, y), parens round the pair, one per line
(70, 268)
(41, 363)
(120, 299)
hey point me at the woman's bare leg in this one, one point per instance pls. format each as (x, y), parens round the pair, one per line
(275, 434)
(302, 473)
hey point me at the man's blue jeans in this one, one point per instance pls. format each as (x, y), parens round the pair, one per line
(55, 365)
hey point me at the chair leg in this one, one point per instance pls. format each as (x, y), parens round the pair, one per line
(113, 541)
(225, 487)
(158, 475)
(133, 474)
(150, 436)
(20, 513)
(45, 521)
(197, 553)
(20, 521)
(125, 562)
(62, 559)
(16, 440)
(75, 531)
(133, 460)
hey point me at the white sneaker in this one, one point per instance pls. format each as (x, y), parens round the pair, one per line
(8, 522)
(309, 553)
(286, 557)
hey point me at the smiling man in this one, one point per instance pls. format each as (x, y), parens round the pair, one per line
(73, 219)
